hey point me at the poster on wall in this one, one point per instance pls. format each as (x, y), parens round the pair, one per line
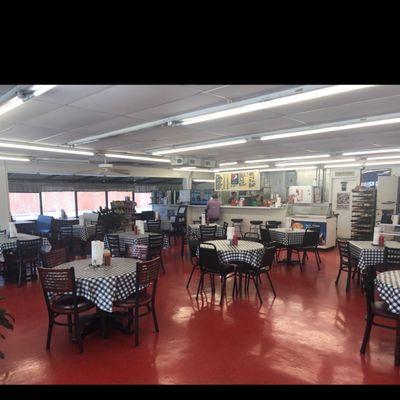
(343, 201)
(248, 180)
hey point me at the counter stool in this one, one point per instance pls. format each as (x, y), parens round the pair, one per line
(273, 224)
(237, 224)
(255, 226)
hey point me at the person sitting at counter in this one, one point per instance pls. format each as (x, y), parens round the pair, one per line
(213, 208)
(233, 201)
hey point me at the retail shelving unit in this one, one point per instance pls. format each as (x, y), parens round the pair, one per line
(363, 210)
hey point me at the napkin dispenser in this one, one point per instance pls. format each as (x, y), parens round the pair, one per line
(12, 229)
(203, 218)
(140, 226)
(377, 232)
(395, 219)
(97, 252)
(230, 232)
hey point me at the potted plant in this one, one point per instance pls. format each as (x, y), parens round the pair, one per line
(6, 320)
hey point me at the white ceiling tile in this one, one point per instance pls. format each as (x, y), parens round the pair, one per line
(108, 125)
(68, 118)
(127, 99)
(27, 133)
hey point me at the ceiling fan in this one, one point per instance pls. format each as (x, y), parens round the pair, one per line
(105, 169)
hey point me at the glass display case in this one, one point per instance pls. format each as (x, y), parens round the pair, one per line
(306, 209)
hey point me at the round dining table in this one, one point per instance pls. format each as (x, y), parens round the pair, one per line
(388, 286)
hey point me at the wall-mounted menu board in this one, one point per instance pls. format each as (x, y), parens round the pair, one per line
(247, 180)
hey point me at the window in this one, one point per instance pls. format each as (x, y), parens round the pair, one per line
(24, 205)
(113, 196)
(90, 201)
(54, 202)
(143, 201)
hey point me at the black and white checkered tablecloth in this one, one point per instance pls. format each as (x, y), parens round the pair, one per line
(83, 232)
(106, 284)
(7, 243)
(368, 254)
(193, 231)
(388, 286)
(246, 251)
(287, 236)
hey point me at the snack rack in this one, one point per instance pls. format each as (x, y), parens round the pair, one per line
(363, 208)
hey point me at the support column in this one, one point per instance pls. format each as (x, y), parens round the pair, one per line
(4, 199)
(187, 182)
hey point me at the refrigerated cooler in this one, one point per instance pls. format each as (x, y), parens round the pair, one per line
(304, 215)
(387, 198)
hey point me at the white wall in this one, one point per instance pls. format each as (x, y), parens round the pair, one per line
(4, 200)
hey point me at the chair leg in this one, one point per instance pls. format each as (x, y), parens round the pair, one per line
(20, 274)
(270, 282)
(190, 277)
(212, 280)
(162, 264)
(78, 332)
(298, 256)
(69, 325)
(153, 310)
(49, 332)
(304, 257)
(348, 279)
(254, 278)
(199, 285)
(366, 334)
(397, 348)
(223, 288)
(338, 275)
(317, 260)
(136, 327)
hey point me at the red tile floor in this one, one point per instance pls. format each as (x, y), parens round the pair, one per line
(310, 334)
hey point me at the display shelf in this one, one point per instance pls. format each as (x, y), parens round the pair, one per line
(363, 214)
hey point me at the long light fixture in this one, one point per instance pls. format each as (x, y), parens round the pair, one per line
(199, 147)
(240, 168)
(343, 165)
(40, 89)
(328, 129)
(287, 158)
(228, 163)
(263, 105)
(10, 105)
(139, 158)
(195, 169)
(48, 149)
(360, 153)
(316, 162)
(7, 158)
(287, 169)
(382, 163)
(203, 180)
(382, 158)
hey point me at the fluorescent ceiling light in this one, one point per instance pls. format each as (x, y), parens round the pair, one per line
(241, 168)
(356, 153)
(287, 158)
(383, 163)
(40, 89)
(192, 169)
(343, 165)
(140, 158)
(11, 104)
(335, 128)
(199, 147)
(203, 180)
(43, 148)
(263, 105)
(383, 157)
(287, 169)
(316, 162)
(228, 163)
(7, 158)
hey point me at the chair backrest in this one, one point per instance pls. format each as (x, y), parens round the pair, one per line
(391, 258)
(310, 238)
(265, 235)
(208, 257)
(268, 257)
(344, 251)
(207, 232)
(55, 257)
(44, 223)
(99, 232)
(153, 226)
(148, 215)
(28, 248)
(196, 222)
(225, 228)
(251, 237)
(193, 245)
(156, 241)
(113, 245)
(66, 232)
(147, 275)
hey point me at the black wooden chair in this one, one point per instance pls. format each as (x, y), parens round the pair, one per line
(55, 257)
(254, 273)
(28, 256)
(145, 295)
(3, 264)
(345, 262)
(210, 265)
(193, 247)
(55, 284)
(99, 232)
(222, 235)
(114, 245)
(377, 308)
(309, 244)
(155, 247)
(207, 232)
(153, 226)
(391, 258)
(67, 239)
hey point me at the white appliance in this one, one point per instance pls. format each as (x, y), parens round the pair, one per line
(387, 198)
(302, 194)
